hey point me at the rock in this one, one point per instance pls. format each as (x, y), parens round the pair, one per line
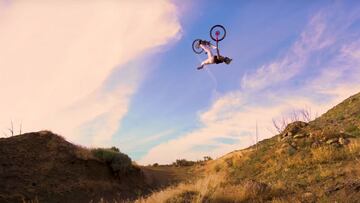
(294, 128)
(285, 135)
(315, 134)
(285, 139)
(343, 141)
(332, 140)
(301, 135)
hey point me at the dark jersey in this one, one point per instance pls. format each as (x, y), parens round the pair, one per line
(217, 60)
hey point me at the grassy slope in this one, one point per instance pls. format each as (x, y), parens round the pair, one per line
(306, 169)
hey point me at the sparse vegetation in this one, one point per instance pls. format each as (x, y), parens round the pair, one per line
(120, 163)
(312, 161)
(304, 114)
(183, 162)
(353, 130)
(328, 154)
(12, 130)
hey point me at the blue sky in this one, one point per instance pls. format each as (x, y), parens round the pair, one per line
(129, 79)
(171, 97)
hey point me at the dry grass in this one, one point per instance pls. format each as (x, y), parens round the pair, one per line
(197, 190)
(354, 147)
(326, 154)
(84, 153)
(214, 188)
(304, 175)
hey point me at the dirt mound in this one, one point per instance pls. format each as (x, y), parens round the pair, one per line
(43, 166)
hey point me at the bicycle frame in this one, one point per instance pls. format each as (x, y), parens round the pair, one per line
(217, 43)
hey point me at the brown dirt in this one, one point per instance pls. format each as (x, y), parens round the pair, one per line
(45, 167)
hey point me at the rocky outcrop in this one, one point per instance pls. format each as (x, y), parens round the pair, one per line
(294, 130)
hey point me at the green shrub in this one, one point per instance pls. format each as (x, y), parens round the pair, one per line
(115, 149)
(120, 163)
(183, 162)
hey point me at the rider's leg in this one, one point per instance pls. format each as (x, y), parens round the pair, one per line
(206, 62)
(207, 50)
(210, 59)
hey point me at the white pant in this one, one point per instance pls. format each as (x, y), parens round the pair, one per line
(210, 59)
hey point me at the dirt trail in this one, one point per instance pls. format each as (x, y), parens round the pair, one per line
(162, 176)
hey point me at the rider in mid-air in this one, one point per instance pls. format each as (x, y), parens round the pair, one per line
(212, 59)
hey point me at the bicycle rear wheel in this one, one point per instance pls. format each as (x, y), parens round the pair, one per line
(196, 46)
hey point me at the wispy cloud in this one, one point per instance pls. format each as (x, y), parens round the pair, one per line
(312, 39)
(261, 98)
(56, 55)
(134, 143)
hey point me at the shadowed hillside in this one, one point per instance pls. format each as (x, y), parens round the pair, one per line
(317, 161)
(43, 166)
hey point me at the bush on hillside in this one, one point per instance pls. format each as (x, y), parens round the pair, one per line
(184, 162)
(115, 149)
(120, 163)
(207, 158)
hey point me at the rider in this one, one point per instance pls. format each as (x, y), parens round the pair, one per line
(211, 58)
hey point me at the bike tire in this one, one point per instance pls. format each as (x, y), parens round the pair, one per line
(216, 28)
(195, 48)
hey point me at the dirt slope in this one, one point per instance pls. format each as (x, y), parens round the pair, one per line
(45, 167)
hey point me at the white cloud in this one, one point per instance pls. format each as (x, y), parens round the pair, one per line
(56, 55)
(311, 39)
(227, 118)
(235, 114)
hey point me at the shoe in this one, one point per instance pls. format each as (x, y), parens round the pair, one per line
(200, 67)
(227, 60)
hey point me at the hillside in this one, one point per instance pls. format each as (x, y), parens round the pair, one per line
(317, 161)
(44, 167)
